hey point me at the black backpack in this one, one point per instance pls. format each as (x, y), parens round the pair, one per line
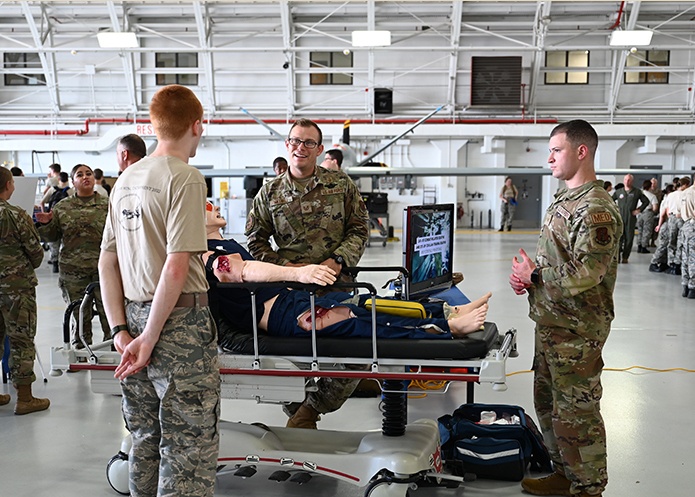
(57, 195)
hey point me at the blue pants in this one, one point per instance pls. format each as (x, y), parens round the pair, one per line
(290, 304)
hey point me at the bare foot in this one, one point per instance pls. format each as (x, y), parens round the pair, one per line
(468, 323)
(461, 310)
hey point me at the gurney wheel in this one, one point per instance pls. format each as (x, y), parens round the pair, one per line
(117, 473)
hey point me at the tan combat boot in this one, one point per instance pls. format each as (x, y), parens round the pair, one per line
(305, 417)
(4, 399)
(554, 484)
(27, 403)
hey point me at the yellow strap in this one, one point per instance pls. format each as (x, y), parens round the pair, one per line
(404, 308)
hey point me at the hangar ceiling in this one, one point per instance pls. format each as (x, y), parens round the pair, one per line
(254, 58)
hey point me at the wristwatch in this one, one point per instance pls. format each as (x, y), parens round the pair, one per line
(536, 276)
(339, 259)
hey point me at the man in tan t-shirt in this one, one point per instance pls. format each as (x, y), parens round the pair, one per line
(150, 256)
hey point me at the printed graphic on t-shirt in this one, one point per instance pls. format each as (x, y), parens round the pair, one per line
(129, 209)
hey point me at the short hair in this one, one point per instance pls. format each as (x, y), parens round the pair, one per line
(336, 154)
(646, 184)
(173, 110)
(607, 185)
(55, 167)
(134, 144)
(278, 160)
(578, 132)
(74, 169)
(307, 123)
(685, 180)
(98, 173)
(5, 176)
(64, 177)
(16, 171)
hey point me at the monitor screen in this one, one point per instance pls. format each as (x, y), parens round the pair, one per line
(428, 244)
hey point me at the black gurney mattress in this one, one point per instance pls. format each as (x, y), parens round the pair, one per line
(474, 346)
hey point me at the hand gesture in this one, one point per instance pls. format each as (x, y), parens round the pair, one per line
(135, 357)
(317, 274)
(522, 267)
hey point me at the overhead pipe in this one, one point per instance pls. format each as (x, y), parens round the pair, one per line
(620, 16)
(85, 131)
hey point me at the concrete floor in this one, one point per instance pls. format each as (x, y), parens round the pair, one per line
(64, 451)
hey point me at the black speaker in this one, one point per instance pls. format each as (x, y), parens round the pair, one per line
(383, 101)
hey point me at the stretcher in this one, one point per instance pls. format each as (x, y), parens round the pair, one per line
(277, 370)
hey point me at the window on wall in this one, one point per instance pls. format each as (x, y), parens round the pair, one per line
(178, 60)
(331, 60)
(576, 59)
(27, 69)
(647, 58)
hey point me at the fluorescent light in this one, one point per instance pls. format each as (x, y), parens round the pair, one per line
(631, 38)
(124, 39)
(371, 38)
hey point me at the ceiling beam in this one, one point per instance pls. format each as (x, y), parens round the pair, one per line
(456, 20)
(202, 21)
(47, 64)
(126, 57)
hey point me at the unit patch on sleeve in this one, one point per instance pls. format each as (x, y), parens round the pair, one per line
(602, 236)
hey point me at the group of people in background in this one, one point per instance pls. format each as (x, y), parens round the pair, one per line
(70, 221)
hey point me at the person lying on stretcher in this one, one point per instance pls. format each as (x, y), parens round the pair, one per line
(284, 312)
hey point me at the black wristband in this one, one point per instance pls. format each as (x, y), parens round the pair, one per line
(116, 329)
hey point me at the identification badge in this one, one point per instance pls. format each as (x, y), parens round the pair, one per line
(306, 208)
(561, 211)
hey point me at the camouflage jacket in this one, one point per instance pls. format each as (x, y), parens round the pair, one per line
(78, 223)
(20, 249)
(577, 257)
(328, 217)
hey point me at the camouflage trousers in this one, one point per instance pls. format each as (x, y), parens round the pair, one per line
(645, 227)
(507, 211)
(172, 407)
(661, 253)
(674, 227)
(331, 393)
(688, 257)
(567, 393)
(72, 288)
(18, 321)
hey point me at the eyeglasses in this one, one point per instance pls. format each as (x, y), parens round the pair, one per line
(295, 142)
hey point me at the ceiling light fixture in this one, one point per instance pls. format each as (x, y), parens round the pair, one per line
(124, 39)
(371, 38)
(631, 38)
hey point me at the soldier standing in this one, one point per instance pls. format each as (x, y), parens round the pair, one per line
(627, 199)
(20, 254)
(150, 259)
(315, 216)
(77, 223)
(687, 235)
(647, 219)
(570, 289)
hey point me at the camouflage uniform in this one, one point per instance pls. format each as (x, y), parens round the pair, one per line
(675, 223)
(78, 222)
(687, 234)
(165, 407)
(573, 309)
(627, 202)
(329, 217)
(20, 254)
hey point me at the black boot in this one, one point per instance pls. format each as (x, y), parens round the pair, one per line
(655, 268)
(502, 228)
(685, 291)
(691, 293)
(639, 249)
(678, 270)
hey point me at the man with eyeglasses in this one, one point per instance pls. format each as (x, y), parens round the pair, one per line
(315, 216)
